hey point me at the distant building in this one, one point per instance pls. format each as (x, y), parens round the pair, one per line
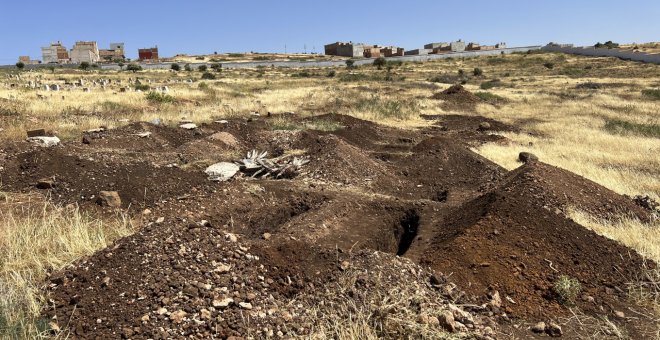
(27, 60)
(148, 53)
(457, 46)
(85, 52)
(371, 51)
(473, 46)
(419, 51)
(500, 45)
(392, 51)
(54, 54)
(115, 52)
(346, 49)
(433, 46)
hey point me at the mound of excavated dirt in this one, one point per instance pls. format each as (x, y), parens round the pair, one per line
(300, 257)
(516, 240)
(456, 97)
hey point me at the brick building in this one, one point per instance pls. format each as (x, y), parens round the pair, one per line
(148, 53)
(55, 53)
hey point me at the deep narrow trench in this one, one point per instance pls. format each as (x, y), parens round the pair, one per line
(410, 224)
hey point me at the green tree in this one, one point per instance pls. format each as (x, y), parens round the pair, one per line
(202, 68)
(477, 72)
(121, 65)
(217, 67)
(84, 65)
(350, 63)
(176, 67)
(187, 67)
(20, 65)
(380, 62)
(133, 67)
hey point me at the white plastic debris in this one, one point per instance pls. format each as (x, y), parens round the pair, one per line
(44, 141)
(222, 171)
(188, 126)
(143, 134)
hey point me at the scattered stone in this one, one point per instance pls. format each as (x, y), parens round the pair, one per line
(45, 183)
(222, 171)
(231, 237)
(143, 134)
(266, 236)
(527, 157)
(222, 121)
(245, 305)
(223, 303)
(620, 314)
(495, 299)
(178, 316)
(44, 141)
(484, 126)
(109, 199)
(345, 265)
(188, 126)
(447, 321)
(539, 327)
(97, 130)
(225, 137)
(553, 329)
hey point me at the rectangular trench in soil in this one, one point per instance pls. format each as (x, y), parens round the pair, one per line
(409, 224)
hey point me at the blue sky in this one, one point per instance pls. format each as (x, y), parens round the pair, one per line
(205, 26)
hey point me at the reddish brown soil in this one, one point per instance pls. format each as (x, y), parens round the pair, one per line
(419, 194)
(456, 97)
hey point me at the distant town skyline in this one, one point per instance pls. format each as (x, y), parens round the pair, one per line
(205, 27)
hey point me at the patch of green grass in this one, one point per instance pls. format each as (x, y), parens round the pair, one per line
(653, 94)
(350, 77)
(388, 108)
(236, 55)
(487, 85)
(156, 97)
(573, 72)
(491, 97)
(142, 87)
(623, 127)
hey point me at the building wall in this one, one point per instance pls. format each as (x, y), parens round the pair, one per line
(419, 51)
(148, 53)
(457, 46)
(331, 49)
(351, 50)
(85, 51)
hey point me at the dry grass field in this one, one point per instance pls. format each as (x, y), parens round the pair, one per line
(596, 117)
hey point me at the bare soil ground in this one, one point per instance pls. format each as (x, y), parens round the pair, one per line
(414, 213)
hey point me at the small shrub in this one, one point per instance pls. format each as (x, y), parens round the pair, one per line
(199, 58)
(208, 76)
(202, 68)
(653, 94)
(217, 67)
(445, 79)
(20, 65)
(203, 86)
(236, 55)
(133, 67)
(187, 68)
(567, 289)
(487, 85)
(142, 87)
(379, 62)
(549, 65)
(491, 98)
(84, 65)
(157, 97)
(350, 63)
(477, 72)
(331, 74)
(302, 74)
(176, 67)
